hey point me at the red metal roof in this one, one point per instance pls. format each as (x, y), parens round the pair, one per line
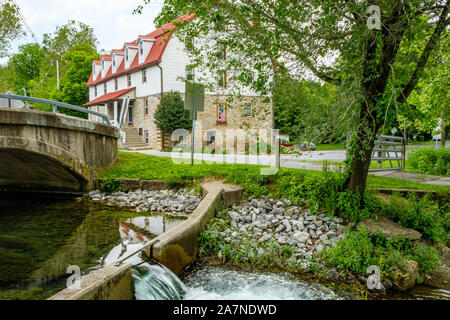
(109, 96)
(162, 37)
(106, 57)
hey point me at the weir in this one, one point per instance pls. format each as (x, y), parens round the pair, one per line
(174, 250)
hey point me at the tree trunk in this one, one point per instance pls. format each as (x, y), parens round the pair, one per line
(443, 133)
(360, 165)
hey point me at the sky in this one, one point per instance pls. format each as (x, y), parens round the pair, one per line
(112, 20)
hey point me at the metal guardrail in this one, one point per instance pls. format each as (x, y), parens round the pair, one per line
(384, 147)
(55, 105)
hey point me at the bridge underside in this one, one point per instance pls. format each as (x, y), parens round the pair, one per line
(25, 170)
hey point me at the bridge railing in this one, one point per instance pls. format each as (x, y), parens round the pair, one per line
(55, 105)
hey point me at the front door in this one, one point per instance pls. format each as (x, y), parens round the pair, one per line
(130, 114)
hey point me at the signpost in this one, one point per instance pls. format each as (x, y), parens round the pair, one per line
(194, 100)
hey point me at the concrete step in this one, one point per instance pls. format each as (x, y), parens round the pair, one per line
(136, 145)
(139, 148)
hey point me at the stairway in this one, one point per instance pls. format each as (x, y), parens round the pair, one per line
(133, 141)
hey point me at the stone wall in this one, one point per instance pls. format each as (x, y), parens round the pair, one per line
(207, 121)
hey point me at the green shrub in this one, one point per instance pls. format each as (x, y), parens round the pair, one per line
(353, 253)
(427, 257)
(423, 215)
(429, 160)
(111, 185)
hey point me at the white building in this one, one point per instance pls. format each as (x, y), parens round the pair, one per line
(128, 83)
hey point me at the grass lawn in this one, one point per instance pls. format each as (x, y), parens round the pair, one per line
(141, 166)
(325, 147)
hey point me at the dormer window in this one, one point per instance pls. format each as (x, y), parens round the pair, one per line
(141, 48)
(103, 64)
(105, 88)
(93, 68)
(114, 60)
(129, 80)
(126, 54)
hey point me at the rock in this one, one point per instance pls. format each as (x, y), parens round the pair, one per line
(390, 229)
(254, 203)
(287, 225)
(405, 278)
(234, 215)
(333, 275)
(323, 237)
(280, 228)
(300, 236)
(439, 278)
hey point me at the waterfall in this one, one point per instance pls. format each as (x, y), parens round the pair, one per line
(156, 282)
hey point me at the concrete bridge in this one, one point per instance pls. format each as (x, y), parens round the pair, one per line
(52, 152)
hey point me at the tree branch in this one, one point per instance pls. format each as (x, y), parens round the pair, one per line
(441, 25)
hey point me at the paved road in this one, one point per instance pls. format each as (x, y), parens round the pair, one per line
(297, 162)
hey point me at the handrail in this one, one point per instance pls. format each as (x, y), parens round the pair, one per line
(56, 104)
(121, 132)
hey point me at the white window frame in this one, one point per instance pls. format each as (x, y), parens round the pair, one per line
(251, 110)
(144, 75)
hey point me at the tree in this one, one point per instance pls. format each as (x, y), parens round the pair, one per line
(27, 64)
(171, 115)
(73, 85)
(10, 26)
(304, 109)
(431, 94)
(354, 45)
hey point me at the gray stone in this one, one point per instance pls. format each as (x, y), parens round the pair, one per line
(301, 237)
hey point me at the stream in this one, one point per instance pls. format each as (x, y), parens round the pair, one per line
(42, 234)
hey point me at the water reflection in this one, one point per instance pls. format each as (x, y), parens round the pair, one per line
(40, 236)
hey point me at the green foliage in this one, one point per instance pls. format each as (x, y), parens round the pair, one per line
(429, 160)
(34, 67)
(306, 110)
(10, 26)
(27, 64)
(353, 253)
(111, 185)
(423, 215)
(171, 115)
(427, 257)
(359, 250)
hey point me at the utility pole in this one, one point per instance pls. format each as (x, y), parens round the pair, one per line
(57, 74)
(404, 143)
(193, 129)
